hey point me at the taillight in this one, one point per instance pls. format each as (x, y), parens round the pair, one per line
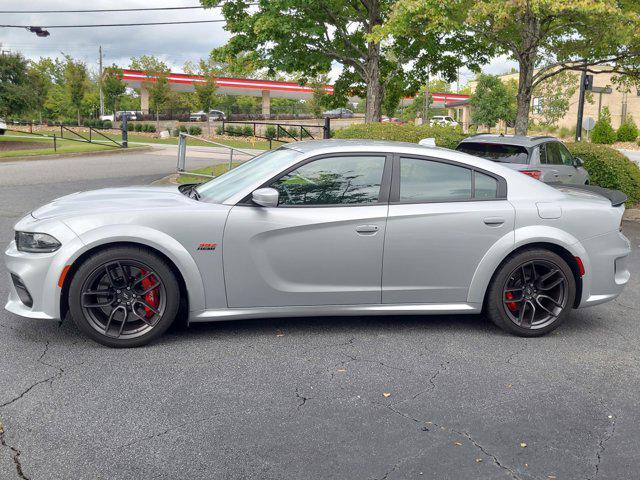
(580, 266)
(532, 173)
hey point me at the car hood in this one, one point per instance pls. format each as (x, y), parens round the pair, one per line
(113, 199)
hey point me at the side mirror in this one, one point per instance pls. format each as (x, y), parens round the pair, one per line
(578, 162)
(265, 197)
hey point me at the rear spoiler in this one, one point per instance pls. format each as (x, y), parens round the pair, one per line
(616, 197)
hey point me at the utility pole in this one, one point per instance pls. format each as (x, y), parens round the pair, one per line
(586, 83)
(100, 82)
(425, 115)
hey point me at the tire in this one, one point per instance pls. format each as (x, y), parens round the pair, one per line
(546, 299)
(124, 297)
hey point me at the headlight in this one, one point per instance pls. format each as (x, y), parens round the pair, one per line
(36, 242)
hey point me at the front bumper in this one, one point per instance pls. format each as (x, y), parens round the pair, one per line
(39, 272)
(608, 269)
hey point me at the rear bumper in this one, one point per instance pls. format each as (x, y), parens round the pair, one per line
(608, 269)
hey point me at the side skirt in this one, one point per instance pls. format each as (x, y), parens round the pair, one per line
(334, 310)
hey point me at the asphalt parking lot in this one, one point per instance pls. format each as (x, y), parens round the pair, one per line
(327, 398)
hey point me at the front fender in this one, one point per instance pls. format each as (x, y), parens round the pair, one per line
(152, 238)
(515, 240)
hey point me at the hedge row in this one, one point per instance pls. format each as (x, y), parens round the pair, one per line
(609, 168)
(447, 137)
(141, 127)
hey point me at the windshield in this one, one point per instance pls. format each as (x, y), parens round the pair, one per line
(245, 175)
(496, 152)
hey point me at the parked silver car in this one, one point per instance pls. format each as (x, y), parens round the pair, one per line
(543, 158)
(322, 228)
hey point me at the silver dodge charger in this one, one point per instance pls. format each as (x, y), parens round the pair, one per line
(322, 228)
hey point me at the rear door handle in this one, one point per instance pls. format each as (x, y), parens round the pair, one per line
(367, 229)
(494, 221)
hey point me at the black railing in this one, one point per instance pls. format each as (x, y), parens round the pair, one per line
(75, 136)
(278, 132)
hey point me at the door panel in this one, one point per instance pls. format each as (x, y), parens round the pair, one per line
(304, 256)
(432, 250)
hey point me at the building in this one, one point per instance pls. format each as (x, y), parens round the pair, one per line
(606, 93)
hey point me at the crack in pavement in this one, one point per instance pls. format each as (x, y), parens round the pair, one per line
(611, 429)
(167, 430)
(49, 379)
(468, 436)
(15, 454)
(301, 397)
(397, 464)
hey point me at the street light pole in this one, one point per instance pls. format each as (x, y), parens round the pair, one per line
(100, 82)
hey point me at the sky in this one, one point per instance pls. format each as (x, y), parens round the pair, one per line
(175, 44)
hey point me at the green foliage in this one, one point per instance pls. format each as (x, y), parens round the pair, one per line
(609, 168)
(628, 131)
(565, 132)
(183, 128)
(113, 87)
(77, 82)
(219, 130)
(447, 137)
(555, 94)
(602, 131)
(491, 101)
(247, 131)
(195, 130)
(15, 95)
(107, 124)
(137, 127)
(270, 132)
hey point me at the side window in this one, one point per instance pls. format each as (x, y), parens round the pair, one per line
(485, 186)
(553, 153)
(427, 181)
(344, 180)
(567, 158)
(543, 154)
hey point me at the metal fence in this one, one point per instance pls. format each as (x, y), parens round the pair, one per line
(277, 132)
(182, 155)
(89, 135)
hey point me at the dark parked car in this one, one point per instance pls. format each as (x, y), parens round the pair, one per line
(544, 158)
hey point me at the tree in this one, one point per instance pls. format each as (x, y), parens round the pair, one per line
(628, 131)
(15, 94)
(602, 131)
(157, 83)
(545, 37)
(205, 90)
(490, 101)
(320, 98)
(554, 96)
(309, 35)
(77, 83)
(113, 87)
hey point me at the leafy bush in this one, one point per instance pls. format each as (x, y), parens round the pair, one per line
(609, 168)
(628, 131)
(602, 131)
(195, 130)
(445, 136)
(219, 130)
(151, 128)
(130, 127)
(247, 131)
(107, 124)
(270, 132)
(567, 132)
(294, 132)
(137, 127)
(183, 128)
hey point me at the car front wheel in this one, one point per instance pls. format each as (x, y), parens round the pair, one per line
(532, 293)
(124, 297)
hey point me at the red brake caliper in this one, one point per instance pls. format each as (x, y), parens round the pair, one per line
(510, 305)
(152, 297)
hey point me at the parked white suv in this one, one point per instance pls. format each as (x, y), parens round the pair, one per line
(443, 120)
(3, 126)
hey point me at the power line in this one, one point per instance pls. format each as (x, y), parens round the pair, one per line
(98, 25)
(102, 10)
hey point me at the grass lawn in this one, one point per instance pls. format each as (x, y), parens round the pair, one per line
(239, 143)
(63, 146)
(215, 171)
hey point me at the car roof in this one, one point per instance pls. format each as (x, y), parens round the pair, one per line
(520, 140)
(352, 145)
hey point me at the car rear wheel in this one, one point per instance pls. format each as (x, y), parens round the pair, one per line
(124, 297)
(532, 293)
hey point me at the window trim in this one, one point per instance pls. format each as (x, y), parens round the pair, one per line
(385, 184)
(394, 198)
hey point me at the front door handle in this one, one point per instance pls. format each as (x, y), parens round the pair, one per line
(493, 221)
(367, 229)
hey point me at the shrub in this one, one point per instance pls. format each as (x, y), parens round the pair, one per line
(137, 127)
(294, 132)
(628, 131)
(247, 131)
(602, 131)
(567, 132)
(195, 130)
(270, 132)
(107, 124)
(219, 130)
(445, 136)
(609, 168)
(183, 128)
(151, 128)
(130, 127)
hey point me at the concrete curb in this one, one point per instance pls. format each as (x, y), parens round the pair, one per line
(168, 180)
(632, 215)
(118, 151)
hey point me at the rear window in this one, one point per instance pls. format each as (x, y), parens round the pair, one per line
(496, 152)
